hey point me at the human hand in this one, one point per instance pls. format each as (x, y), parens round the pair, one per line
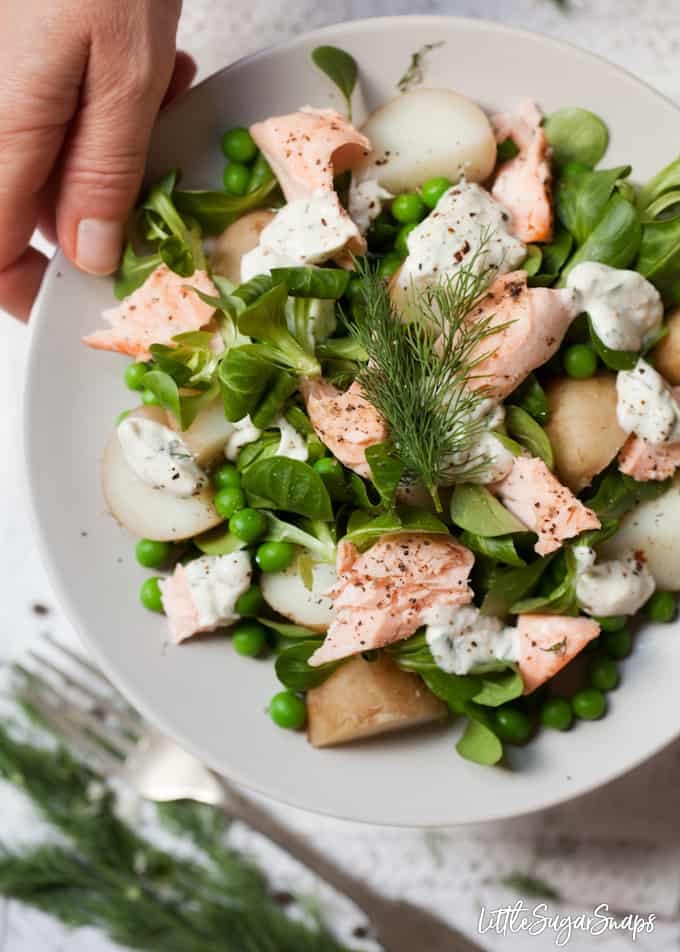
(82, 83)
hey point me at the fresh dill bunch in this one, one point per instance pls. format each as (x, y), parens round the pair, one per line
(418, 371)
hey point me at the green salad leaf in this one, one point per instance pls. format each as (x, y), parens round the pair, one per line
(475, 509)
(341, 69)
(613, 359)
(289, 485)
(510, 585)
(265, 320)
(218, 541)
(582, 196)
(364, 531)
(453, 689)
(294, 672)
(386, 471)
(615, 240)
(361, 495)
(133, 271)
(243, 376)
(184, 407)
(325, 283)
(479, 742)
(287, 630)
(282, 385)
(319, 541)
(214, 211)
(522, 427)
(530, 397)
(264, 447)
(499, 548)
(576, 135)
(560, 599)
(615, 493)
(555, 255)
(659, 258)
(342, 348)
(532, 262)
(499, 687)
(667, 180)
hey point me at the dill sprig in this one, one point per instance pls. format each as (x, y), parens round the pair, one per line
(418, 371)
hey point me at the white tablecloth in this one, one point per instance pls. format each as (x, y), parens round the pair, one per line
(620, 845)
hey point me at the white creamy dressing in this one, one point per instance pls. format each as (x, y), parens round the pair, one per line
(291, 444)
(310, 320)
(216, 582)
(244, 432)
(646, 406)
(624, 308)
(486, 448)
(615, 587)
(306, 231)
(160, 457)
(366, 197)
(467, 224)
(461, 639)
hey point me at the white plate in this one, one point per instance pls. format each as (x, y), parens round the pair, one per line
(210, 700)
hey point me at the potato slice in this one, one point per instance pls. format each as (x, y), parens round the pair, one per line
(426, 133)
(208, 434)
(652, 529)
(667, 351)
(583, 428)
(364, 698)
(237, 240)
(147, 512)
(286, 593)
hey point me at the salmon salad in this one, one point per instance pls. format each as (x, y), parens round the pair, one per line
(408, 419)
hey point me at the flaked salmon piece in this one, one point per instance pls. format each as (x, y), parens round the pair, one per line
(537, 320)
(179, 607)
(162, 307)
(548, 642)
(543, 504)
(647, 461)
(382, 594)
(523, 184)
(306, 149)
(345, 422)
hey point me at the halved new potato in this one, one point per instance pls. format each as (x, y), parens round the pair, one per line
(667, 352)
(286, 593)
(364, 698)
(148, 512)
(237, 240)
(583, 428)
(426, 133)
(652, 529)
(208, 434)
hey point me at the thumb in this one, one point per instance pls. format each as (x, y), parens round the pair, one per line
(104, 155)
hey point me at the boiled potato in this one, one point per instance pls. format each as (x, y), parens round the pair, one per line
(238, 239)
(652, 529)
(667, 352)
(148, 512)
(208, 434)
(426, 133)
(286, 593)
(583, 428)
(364, 698)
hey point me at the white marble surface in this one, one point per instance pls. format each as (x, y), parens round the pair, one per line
(620, 845)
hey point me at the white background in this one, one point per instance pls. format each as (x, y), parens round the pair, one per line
(635, 864)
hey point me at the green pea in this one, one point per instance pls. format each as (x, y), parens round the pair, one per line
(512, 725)
(408, 208)
(260, 174)
(315, 449)
(238, 145)
(275, 556)
(618, 644)
(134, 376)
(150, 595)
(251, 603)
(661, 607)
(433, 190)
(401, 244)
(389, 265)
(604, 674)
(589, 704)
(229, 500)
(227, 477)
(152, 554)
(288, 710)
(612, 622)
(556, 713)
(248, 525)
(236, 178)
(249, 639)
(121, 416)
(149, 399)
(580, 361)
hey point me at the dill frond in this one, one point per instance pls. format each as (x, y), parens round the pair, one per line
(418, 371)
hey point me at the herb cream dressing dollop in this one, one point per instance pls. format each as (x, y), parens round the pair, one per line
(160, 457)
(461, 639)
(646, 406)
(614, 587)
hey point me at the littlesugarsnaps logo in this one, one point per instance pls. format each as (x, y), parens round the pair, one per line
(536, 920)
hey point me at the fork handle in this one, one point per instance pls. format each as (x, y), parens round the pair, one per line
(399, 925)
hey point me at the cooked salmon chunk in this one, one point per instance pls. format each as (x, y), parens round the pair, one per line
(543, 504)
(532, 323)
(162, 307)
(647, 461)
(306, 149)
(523, 184)
(382, 594)
(548, 642)
(344, 422)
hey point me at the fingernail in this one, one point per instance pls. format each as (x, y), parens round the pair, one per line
(98, 244)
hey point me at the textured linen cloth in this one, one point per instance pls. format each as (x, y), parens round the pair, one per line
(619, 845)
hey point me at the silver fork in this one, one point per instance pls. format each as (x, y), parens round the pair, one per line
(99, 725)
